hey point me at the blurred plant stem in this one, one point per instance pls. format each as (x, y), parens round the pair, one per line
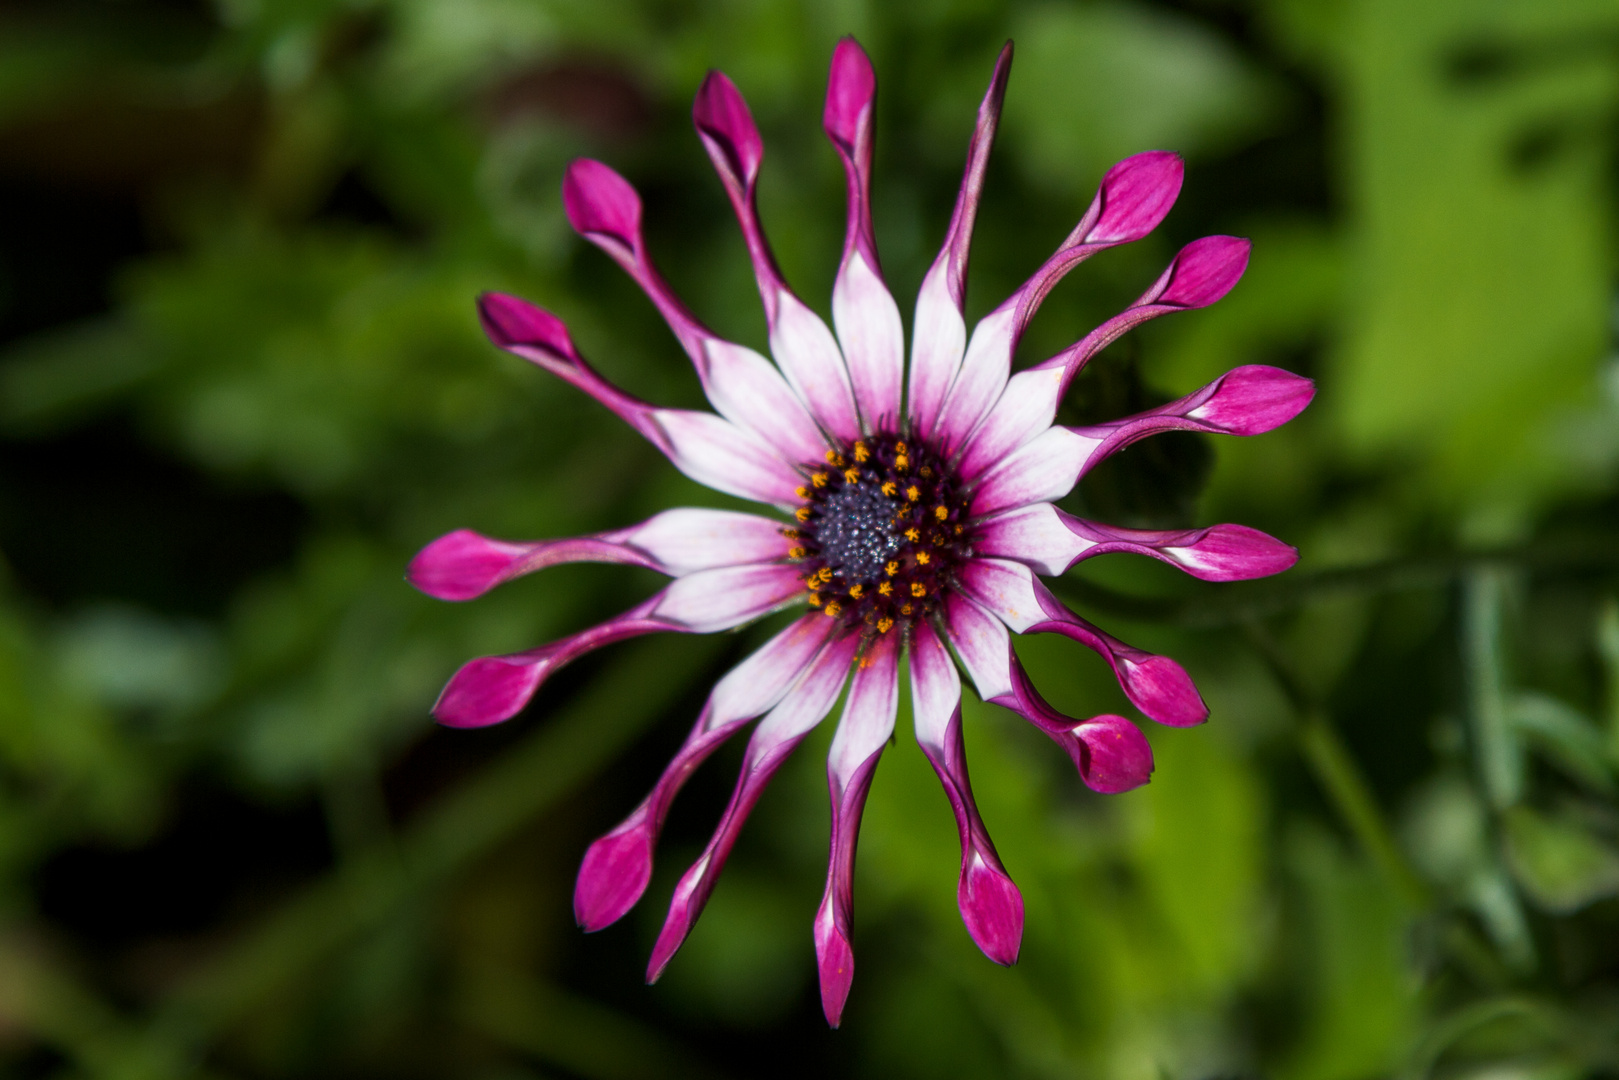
(1500, 763)
(363, 890)
(1341, 780)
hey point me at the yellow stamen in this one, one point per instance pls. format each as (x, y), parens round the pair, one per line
(801, 491)
(900, 448)
(902, 463)
(912, 494)
(791, 534)
(856, 591)
(889, 487)
(959, 529)
(815, 599)
(885, 589)
(802, 513)
(941, 512)
(825, 574)
(834, 609)
(851, 475)
(922, 558)
(891, 569)
(796, 553)
(834, 458)
(906, 610)
(818, 479)
(926, 472)
(938, 540)
(918, 590)
(884, 625)
(860, 451)
(912, 535)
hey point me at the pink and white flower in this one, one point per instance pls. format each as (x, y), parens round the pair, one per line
(912, 512)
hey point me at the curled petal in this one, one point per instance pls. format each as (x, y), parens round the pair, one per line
(864, 312)
(743, 386)
(495, 688)
(863, 730)
(1110, 753)
(1156, 685)
(1248, 400)
(939, 331)
(464, 564)
(618, 866)
(1203, 272)
(991, 906)
(1133, 198)
(707, 448)
(799, 340)
(777, 735)
(1050, 541)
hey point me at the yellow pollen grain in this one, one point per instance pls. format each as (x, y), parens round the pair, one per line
(891, 569)
(926, 472)
(938, 540)
(906, 610)
(922, 558)
(912, 535)
(901, 448)
(815, 599)
(884, 625)
(902, 463)
(941, 512)
(834, 458)
(866, 661)
(791, 534)
(825, 574)
(912, 494)
(856, 591)
(885, 589)
(801, 491)
(918, 590)
(802, 513)
(860, 451)
(851, 474)
(958, 530)
(889, 487)
(796, 553)
(834, 609)
(819, 479)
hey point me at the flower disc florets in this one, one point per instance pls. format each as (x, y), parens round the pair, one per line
(880, 533)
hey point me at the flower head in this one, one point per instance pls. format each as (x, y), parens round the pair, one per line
(912, 512)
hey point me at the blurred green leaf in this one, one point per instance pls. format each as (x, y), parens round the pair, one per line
(1561, 864)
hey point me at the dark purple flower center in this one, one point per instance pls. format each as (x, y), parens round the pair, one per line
(880, 533)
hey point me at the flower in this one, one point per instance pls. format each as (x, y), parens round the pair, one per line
(917, 511)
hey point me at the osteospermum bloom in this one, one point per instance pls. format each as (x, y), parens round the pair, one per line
(912, 512)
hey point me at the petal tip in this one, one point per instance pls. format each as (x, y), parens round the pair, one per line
(724, 121)
(1112, 754)
(849, 93)
(612, 877)
(1256, 398)
(1160, 687)
(992, 908)
(486, 691)
(835, 959)
(459, 566)
(601, 204)
(511, 323)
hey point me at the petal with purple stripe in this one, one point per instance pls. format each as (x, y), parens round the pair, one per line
(777, 735)
(863, 310)
(939, 330)
(743, 386)
(863, 731)
(1050, 541)
(464, 564)
(616, 869)
(991, 906)
(799, 340)
(1134, 196)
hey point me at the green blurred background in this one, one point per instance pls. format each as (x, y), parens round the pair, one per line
(242, 382)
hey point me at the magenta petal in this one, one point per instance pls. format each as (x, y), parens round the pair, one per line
(1233, 553)
(1254, 399)
(1111, 754)
(1050, 541)
(602, 206)
(1204, 271)
(939, 332)
(724, 122)
(614, 874)
(494, 688)
(464, 564)
(1134, 197)
(992, 908)
(849, 94)
(834, 960)
(774, 740)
